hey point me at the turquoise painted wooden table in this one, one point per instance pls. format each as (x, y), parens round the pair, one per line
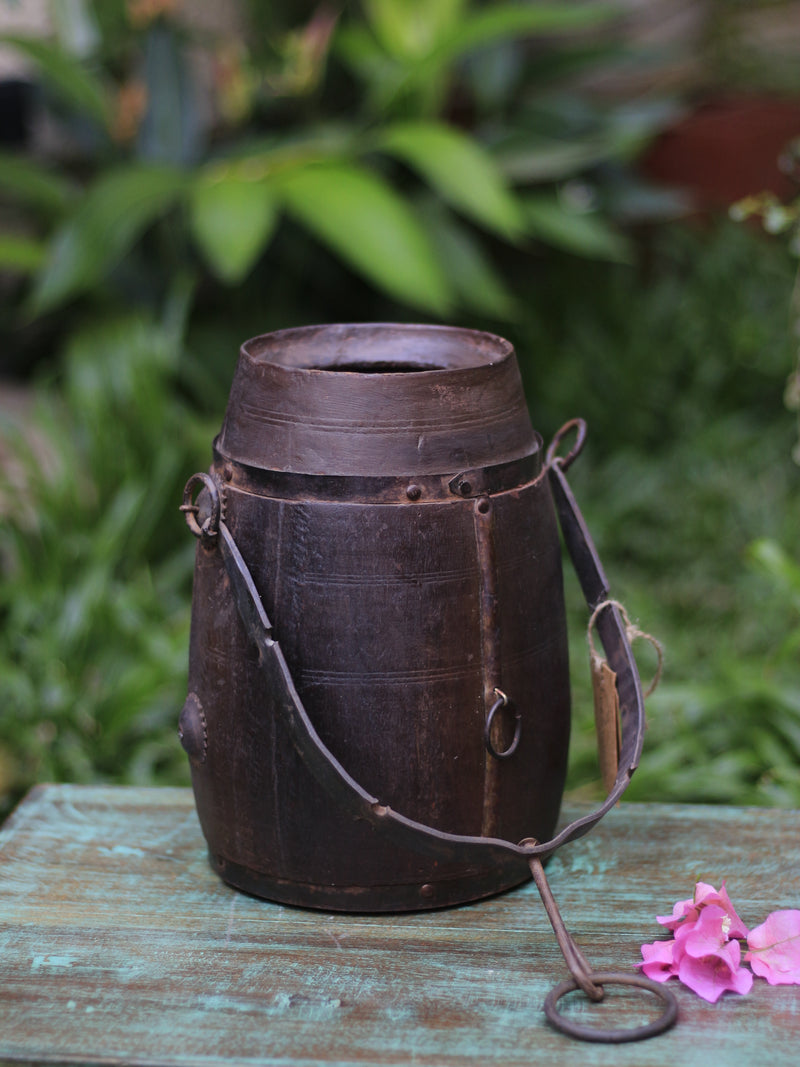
(119, 945)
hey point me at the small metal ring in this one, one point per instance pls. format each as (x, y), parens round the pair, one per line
(210, 526)
(501, 702)
(635, 1033)
(565, 462)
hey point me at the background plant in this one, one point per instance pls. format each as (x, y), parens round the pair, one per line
(93, 598)
(690, 491)
(379, 161)
(392, 133)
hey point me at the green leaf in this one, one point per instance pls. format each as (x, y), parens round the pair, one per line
(412, 27)
(773, 560)
(460, 170)
(381, 74)
(499, 22)
(34, 185)
(232, 220)
(633, 125)
(502, 22)
(477, 284)
(20, 254)
(172, 130)
(583, 233)
(106, 224)
(69, 79)
(526, 159)
(368, 225)
(254, 159)
(76, 26)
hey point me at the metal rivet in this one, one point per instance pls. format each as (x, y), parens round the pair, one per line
(413, 492)
(465, 488)
(427, 891)
(227, 472)
(192, 729)
(484, 504)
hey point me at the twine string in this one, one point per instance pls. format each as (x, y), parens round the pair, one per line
(633, 633)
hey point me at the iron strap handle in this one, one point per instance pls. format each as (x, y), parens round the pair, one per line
(324, 766)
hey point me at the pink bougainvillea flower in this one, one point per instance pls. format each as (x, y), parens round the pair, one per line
(705, 895)
(774, 948)
(701, 955)
(705, 953)
(709, 936)
(711, 976)
(659, 961)
(686, 912)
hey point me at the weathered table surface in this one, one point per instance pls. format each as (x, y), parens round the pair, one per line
(119, 945)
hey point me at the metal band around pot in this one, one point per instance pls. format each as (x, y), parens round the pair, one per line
(334, 778)
(388, 489)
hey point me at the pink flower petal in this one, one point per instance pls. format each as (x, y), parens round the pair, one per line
(710, 977)
(774, 948)
(709, 937)
(687, 911)
(659, 960)
(683, 932)
(680, 911)
(705, 894)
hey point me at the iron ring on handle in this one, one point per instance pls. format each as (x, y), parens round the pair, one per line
(618, 1036)
(565, 462)
(501, 702)
(209, 528)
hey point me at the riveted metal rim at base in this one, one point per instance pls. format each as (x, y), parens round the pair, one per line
(618, 1036)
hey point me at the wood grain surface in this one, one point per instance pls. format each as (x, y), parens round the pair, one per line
(118, 944)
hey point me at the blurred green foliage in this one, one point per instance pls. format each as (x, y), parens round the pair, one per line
(691, 493)
(383, 161)
(95, 580)
(345, 127)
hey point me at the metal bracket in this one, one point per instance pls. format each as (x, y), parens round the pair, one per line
(483, 481)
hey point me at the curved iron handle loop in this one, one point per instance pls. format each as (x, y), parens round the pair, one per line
(565, 462)
(617, 1036)
(501, 702)
(210, 525)
(333, 777)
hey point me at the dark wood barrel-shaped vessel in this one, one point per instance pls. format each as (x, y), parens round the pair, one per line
(386, 490)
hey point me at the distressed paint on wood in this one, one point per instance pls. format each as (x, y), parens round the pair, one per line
(119, 944)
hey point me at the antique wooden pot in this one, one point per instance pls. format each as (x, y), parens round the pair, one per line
(378, 675)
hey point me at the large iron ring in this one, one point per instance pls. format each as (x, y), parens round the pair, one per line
(635, 1033)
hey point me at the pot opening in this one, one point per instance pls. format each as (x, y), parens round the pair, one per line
(385, 366)
(377, 348)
